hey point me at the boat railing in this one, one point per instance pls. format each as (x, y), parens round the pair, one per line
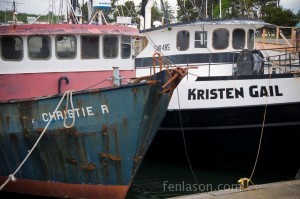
(273, 60)
(264, 61)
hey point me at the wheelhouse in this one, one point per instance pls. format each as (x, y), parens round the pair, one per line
(59, 49)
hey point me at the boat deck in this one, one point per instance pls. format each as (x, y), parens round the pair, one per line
(284, 189)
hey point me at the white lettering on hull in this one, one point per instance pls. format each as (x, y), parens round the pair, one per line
(70, 113)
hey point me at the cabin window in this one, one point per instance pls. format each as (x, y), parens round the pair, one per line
(12, 48)
(39, 47)
(183, 40)
(250, 39)
(65, 46)
(238, 39)
(89, 47)
(110, 46)
(200, 39)
(125, 47)
(220, 39)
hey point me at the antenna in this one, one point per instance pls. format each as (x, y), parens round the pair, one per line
(14, 10)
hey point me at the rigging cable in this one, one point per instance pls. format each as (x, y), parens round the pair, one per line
(43, 12)
(197, 9)
(108, 11)
(183, 10)
(165, 12)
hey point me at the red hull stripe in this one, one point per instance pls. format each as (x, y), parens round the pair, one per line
(21, 86)
(62, 190)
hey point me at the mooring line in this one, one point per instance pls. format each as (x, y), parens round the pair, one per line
(184, 141)
(12, 177)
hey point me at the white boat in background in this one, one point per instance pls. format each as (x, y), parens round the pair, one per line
(229, 81)
(231, 88)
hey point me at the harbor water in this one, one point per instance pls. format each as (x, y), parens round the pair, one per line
(180, 163)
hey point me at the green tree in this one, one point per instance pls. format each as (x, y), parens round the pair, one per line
(278, 16)
(189, 11)
(126, 10)
(156, 13)
(169, 10)
(229, 9)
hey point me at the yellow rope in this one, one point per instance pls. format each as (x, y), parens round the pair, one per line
(242, 180)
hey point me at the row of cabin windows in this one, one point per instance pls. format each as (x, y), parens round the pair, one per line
(39, 47)
(220, 39)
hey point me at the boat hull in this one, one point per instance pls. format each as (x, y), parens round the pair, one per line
(97, 156)
(233, 150)
(224, 130)
(235, 103)
(233, 118)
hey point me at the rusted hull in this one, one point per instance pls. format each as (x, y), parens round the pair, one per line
(99, 155)
(63, 190)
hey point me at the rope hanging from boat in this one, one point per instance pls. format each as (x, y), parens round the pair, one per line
(261, 134)
(184, 141)
(244, 182)
(69, 93)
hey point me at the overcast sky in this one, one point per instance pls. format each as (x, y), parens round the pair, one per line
(41, 6)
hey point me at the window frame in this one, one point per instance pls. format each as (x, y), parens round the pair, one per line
(186, 42)
(233, 43)
(39, 55)
(75, 47)
(250, 40)
(10, 53)
(106, 51)
(222, 36)
(87, 53)
(202, 39)
(127, 44)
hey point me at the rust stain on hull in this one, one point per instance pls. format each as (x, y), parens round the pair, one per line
(88, 166)
(110, 156)
(71, 160)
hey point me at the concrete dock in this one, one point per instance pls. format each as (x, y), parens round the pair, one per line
(277, 190)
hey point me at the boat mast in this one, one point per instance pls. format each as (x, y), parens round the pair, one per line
(15, 20)
(166, 18)
(75, 12)
(148, 14)
(220, 9)
(14, 10)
